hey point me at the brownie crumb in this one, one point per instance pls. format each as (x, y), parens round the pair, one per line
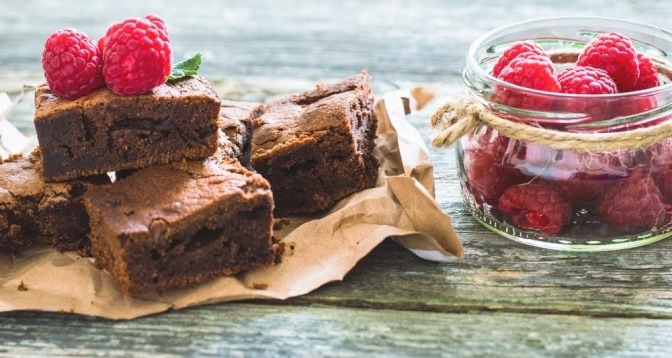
(260, 286)
(22, 287)
(280, 223)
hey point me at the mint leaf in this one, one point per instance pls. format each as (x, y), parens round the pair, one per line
(188, 67)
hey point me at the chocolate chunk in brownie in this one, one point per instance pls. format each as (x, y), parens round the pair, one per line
(235, 122)
(316, 147)
(179, 224)
(35, 212)
(104, 132)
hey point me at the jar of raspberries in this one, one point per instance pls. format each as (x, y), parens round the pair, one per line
(570, 148)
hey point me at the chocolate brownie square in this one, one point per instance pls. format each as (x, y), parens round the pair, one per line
(35, 212)
(179, 224)
(104, 132)
(316, 147)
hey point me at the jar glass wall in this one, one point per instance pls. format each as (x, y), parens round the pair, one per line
(592, 200)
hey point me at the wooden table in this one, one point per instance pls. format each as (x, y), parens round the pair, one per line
(502, 299)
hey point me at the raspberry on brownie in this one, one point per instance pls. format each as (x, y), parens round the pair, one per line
(316, 147)
(137, 55)
(72, 64)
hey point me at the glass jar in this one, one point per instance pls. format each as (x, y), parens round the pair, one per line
(568, 199)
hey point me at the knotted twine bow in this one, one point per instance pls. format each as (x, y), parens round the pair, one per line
(457, 118)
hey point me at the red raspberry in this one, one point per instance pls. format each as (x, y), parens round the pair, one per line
(633, 201)
(586, 80)
(648, 73)
(512, 52)
(137, 56)
(615, 54)
(157, 21)
(497, 144)
(488, 176)
(536, 206)
(154, 19)
(531, 70)
(72, 64)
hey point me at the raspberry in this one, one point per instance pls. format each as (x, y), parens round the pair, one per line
(648, 73)
(488, 176)
(496, 144)
(137, 56)
(531, 70)
(512, 52)
(633, 201)
(615, 54)
(536, 206)
(586, 80)
(154, 19)
(72, 64)
(157, 21)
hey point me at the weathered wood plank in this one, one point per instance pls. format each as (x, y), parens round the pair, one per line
(263, 330)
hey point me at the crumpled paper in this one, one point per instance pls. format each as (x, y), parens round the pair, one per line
(11, 140)
(319, 249)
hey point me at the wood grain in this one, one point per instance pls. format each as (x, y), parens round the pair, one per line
(502, 299)
(267, 330)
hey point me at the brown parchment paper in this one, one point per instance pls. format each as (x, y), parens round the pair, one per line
(320, 249)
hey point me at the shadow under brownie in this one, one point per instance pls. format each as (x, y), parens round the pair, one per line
(316, 147)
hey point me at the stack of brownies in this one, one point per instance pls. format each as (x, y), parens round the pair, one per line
(159, 187)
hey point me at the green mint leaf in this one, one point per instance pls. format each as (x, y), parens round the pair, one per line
(188, 67)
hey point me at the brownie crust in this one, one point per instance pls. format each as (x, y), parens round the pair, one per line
(316, 147)
(179, 224)
(104, 132)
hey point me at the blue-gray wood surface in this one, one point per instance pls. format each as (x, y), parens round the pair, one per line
(502, 299)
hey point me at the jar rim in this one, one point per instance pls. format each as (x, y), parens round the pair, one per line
(481, 72)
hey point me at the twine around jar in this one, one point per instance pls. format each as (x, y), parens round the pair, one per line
(457, 118)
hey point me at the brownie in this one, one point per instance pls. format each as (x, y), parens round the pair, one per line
(235, 122)
(35, 212)
(235, 133)
(316, 147)
(104, 132)
(179, 224)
